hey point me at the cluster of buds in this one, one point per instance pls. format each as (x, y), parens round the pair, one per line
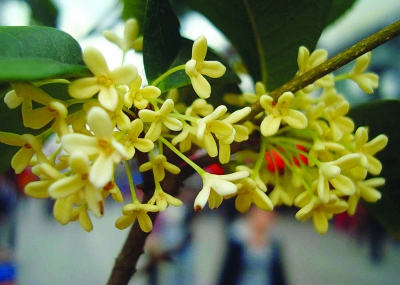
(308, 153)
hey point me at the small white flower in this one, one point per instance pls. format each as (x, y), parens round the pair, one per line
(195, 67)
(102, 145)
(159, 118)
(366, 81)
(330, 173)
(104, 81)
(280, 111)
(130, 39)
(221, 184)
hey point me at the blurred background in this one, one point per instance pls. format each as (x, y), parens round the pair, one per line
(201, 248)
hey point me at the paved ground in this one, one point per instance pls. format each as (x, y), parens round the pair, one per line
(51, 254)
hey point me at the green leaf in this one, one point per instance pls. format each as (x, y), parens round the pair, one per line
(267, 34)
(135, 9)
(382, 117)
(37, 53)
(161, 40)
(180, 78)
(44, 12)
(338, 8)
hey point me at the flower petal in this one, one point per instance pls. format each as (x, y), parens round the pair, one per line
(296, 119)
(270, 125)
(125, 221)
(102, 171)
(213, 69)
(66, 186)
(145, 222)
(108, 98)
(95, 60)
(320, 221)
(84, 88)
(124, 74)
(80, 142)
(201, 86)
(100, 123)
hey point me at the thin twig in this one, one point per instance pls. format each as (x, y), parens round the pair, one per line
(332, 64)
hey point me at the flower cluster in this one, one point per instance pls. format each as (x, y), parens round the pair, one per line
(306, 149)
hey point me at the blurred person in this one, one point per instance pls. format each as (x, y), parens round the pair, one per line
(253, 256)
(169, 250)
(8, 203)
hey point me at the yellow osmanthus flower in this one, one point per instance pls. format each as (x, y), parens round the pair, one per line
(314, 114)
(367, 150)
(140, 97)
(130, 39)
(247, 193)
(365, 189)
(279, 196)
(48, 175)
(307, 61)
(208, 125)
(280, 111)
(330, 174)
(366, 81)
(113, 189)
(159, 164)
(185, 138)
(159, 118)
(30, 145)
(322, 150)
(103, 146)
(132, 141)
(162, 199)
(199, 107)
(339, 124)
(197, 66)
(256, 177)
(133, 211)
(37, 118)
(222, 185)
(63, 210)
(104, 81)
(26, 90)
(313, 207)
(251, 97)
(79, 181)
(240, 133)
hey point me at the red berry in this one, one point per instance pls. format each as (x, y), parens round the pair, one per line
(215, 168)
(274, 162)
(302, 157)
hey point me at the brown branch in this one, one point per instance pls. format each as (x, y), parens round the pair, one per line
(125, 265)
(332, 64)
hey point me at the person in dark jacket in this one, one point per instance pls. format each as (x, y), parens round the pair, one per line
(252, 255)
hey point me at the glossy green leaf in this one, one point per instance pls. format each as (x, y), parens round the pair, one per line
(135, 9)
(382, 117)
(267, 34)
(161, 40)
(338, 8)
(36, 53)
(44, 12)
